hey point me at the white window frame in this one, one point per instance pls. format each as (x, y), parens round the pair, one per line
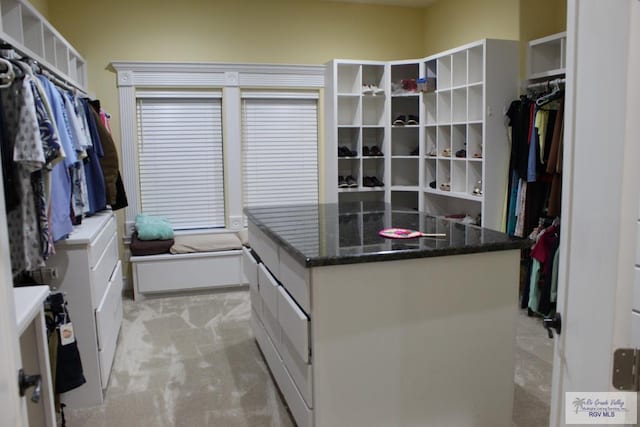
(230, 78)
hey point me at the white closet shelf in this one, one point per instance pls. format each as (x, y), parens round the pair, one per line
(405, 188)
(456, 194)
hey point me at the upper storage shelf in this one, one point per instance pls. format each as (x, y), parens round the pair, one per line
(546, 56)
(28, 31)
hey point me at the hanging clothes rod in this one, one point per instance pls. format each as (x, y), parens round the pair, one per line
(548, 83)
(50, 72)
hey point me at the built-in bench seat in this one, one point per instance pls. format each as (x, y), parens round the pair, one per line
(195, 262)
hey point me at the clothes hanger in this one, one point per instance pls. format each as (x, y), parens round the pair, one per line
(555, 94)
(6, 76)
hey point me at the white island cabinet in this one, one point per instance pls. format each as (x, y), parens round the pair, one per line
(362, 331)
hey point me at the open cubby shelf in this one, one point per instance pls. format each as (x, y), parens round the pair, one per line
(451, 116)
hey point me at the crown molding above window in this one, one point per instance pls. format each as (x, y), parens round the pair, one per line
(203, 74)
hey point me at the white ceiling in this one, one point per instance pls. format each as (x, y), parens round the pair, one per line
(409, 3)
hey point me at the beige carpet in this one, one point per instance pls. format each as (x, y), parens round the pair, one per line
(192, 361)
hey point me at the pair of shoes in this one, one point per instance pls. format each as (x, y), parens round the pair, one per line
(432, 184)
(415, 152)
(371, 181)
(344, 151)
(432, 153)
(406, 119)
(445, 186)
(446, 152)
(349, 181)
(373, 151)
(477, 190)
(370, 89)
(477, 155)
(461, 153)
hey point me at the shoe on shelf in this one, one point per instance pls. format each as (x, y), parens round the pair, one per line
(412, 120)
(375, 151)
(445, 186)
(432, 184)
(365, 151)
(415, 151)
(432, 153)
(477, 155)
(376, 182)
(400, 120)
(477, 190)
(341, 182)
(446, 152)
(351, 181)
(377, 90)
(461, 153)
(367, 182)
(367, 90)
(344, 151)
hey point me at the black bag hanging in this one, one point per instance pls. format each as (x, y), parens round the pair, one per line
(66, 365)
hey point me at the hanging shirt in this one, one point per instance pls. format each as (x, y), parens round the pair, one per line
(92, 167)
(61, 193)
(23, 133)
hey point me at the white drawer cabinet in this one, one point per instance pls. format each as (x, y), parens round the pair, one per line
(90, 273)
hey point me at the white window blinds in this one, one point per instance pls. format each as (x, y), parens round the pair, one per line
(180, 160)
(279, 149)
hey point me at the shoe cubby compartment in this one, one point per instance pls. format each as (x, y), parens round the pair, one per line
(431, 138)
(429, 173)
(404, 141)
(367, 196)
(372, 223)
(474, 141)
(442, 205)
(407, 72)
(458, 140)
(458, 175)
(444, 173)
(444, 107)
(349, 227)
(349, 81)
(459, 105)
(32, 30)
(349, 168)
(403, 107)
(373, 113)
(474, 174)
(459, 68)
(349, 137)
(444, 72)
(49, 46)
(404, 200)
(405, 172)
(349, 112)
(430, 108)
(373, 137)
(444, 140)
(62, 56)
(476, 66)
(475, 103)
(431, 73)
(373, 167)
(374, 75)
(12, 19)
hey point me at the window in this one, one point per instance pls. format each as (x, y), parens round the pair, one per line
(180, 163)
(279, 148)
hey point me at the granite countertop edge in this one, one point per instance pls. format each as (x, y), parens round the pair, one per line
(515, 243)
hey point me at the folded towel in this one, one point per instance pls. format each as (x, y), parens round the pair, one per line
(153, 228)
(191, 243)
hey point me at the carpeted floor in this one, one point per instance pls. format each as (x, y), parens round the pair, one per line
(192, 361)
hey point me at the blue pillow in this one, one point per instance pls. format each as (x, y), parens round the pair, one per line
(153, 227)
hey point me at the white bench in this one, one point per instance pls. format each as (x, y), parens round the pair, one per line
(164, 273)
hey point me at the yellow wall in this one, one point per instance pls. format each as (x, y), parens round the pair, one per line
(41, 6)
(451, 23)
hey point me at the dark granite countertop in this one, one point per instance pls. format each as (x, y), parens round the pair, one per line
(347, 233)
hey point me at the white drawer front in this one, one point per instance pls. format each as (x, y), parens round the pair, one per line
(256, 301)
(96, 248)
(108, 321)
(268, 290)
(266, 248)
(101, 272)
(295, 277)
(294, 324)
(301, 412)
(250, 268)
(299, 371)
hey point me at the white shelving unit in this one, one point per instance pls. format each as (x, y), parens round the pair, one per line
(23, 27)
(474, 85)
(546, 56)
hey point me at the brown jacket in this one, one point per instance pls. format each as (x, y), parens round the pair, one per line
(109, 161)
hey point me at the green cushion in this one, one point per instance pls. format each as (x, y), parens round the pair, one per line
(153, 227)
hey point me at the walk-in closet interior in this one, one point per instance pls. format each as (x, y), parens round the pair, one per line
(321, 213)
